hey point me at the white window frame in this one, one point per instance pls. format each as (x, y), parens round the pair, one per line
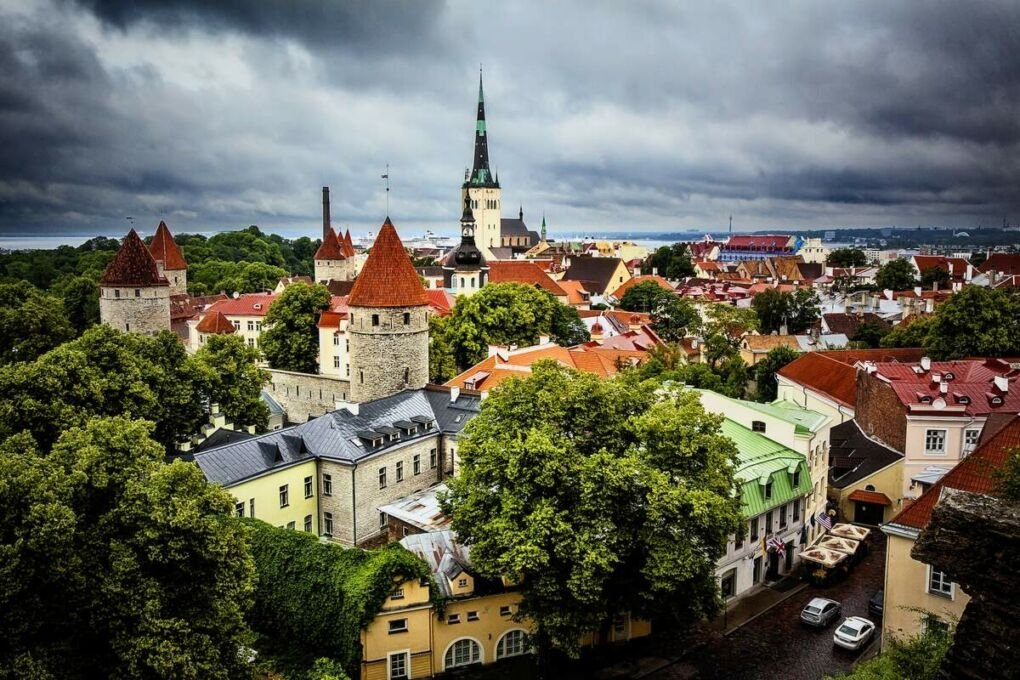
(939, 593)
(524, 644)
(406, 653)
(968, 448)
(449, 647)
(928, 451)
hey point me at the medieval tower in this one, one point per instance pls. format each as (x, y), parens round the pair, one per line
(482, 188)
(331, 260)
(465, 269)
(170, 260)
(388, 322)
(133, 295)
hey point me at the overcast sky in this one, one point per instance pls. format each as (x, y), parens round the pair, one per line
(633, 115)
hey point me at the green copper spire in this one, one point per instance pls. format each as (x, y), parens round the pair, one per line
(481, 176)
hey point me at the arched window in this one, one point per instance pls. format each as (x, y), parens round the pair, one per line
(512, 644)
(463, 652)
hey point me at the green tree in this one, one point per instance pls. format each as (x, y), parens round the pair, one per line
(1008, 477)
(566, 327)
(601, 497)
(870, 333)
(766, 369)
(846, 257)
(734, 373)
(33, 323)
(123, 566)
(772, 308)
(231, 378)
(718, 348)
(644, 297)
(978, 258)
(730, 321)
(674, 318)
(976, 322)
(81, 301)
(804, 310)
(671, 262)
(291, 339)
(896, 275)
(911, 333)
(442, 361)
(935, 275)
(917, 658)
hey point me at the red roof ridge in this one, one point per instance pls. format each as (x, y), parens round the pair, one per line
(214, 322)
(331, 248)
(348, 244)
(133, 265)
(388, 278)
(164, 249)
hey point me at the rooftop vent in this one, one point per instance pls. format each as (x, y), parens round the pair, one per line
(1001, 383)
(925, 363)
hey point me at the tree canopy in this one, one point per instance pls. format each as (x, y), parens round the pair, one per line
(290, 341)
(847, 257)
(765, 371)
(674, 318)
(232, 378)
(33, 322)
(917, 658)
(798, 310)
(602, 497)
(896, 275)
(975, 322)
(644, 297)
(935, 275)
(115, 563)
(671, 262)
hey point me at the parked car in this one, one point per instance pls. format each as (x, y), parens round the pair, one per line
(853, 633)
(876, 605)
(820, 612)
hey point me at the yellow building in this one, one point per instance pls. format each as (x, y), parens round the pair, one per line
(284, 497)
(865, 476)
(410, 639)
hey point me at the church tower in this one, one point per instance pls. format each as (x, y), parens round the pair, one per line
(169, 259)
(388, 322)
(133, 295)
(465, 269)
(482, 188)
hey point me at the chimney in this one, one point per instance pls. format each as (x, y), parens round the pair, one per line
(925, 364)
(349, 405)
(325, 212)
(454, 394)
(1001, 383)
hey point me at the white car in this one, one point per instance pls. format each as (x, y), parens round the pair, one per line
(853, 633)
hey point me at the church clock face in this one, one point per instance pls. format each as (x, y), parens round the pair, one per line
(465, 231)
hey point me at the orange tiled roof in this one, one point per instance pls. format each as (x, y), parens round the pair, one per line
(440, 301)
(388, 278)
(332, 248)
(627, 285)
(833, 374)
(348, 244)
(975, 473)
(575, 292)
(164, 249)
(764, 343)
(522, 271)
(1004, 263)
(133, 265)
(249, 304)
(215, 322)
(874, 497)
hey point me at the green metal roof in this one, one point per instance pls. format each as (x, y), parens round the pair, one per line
(805, 421)
(761, 460)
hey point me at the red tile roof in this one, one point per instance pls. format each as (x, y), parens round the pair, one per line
(1004, 263)
(332, 248)
(348, 244)
(183, 307)
(214, 322)
(975, 473)
(757, 242)
(862, 496)
(522, 271)
(956, 266)
(388, 278)
(832, 373)
(576, 294)
(331, 319)
(440, 301)
(249, 304)
(133, 265)
(971, 388)
(627, 285)
(164, 248)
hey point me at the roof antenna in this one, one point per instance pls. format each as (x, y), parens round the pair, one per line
(387, 178)
(731, 225)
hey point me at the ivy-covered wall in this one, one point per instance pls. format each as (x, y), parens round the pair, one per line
(313, 598)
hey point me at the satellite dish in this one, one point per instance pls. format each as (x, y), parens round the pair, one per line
(236, 295)
(939, 403)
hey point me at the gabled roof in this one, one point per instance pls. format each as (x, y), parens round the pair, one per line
(1004, 263)
(164, 249)
(848, 324)
(420, 509)
(522, 271)
(576, 294)
(440, 301)
(833, 373)
(759, 459)
(133, 265)
(595, 272)
(445, 556)
(249, 304)
(975, 473)
(853, 455)
(630, 283)
(388, 278)
(332, 248)
(967, 386)
(215, 322)
(512, 226)
(348, 245)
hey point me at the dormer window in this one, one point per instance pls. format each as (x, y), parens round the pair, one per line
(768, 490)
(757, 426)
(795, 480)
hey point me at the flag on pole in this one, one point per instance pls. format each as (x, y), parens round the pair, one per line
(803, 535)
(776, 544)
(824, 520)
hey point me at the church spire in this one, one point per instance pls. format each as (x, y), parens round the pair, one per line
(543, 227)
(481, 176)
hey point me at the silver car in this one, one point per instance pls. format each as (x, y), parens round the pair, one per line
(820, 612)
(853, 633)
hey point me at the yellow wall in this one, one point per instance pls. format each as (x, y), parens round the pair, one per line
(266, 492)
(906, 590)
(888, 480)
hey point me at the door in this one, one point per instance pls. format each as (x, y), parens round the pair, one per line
(773, 572)
(789, 557)
(868, 513)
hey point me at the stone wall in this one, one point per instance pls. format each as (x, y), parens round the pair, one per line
(335, 270)
(136, 310)
(880, 413)
(178, 279)
(975, 539)
(387, 354)
(304, 396)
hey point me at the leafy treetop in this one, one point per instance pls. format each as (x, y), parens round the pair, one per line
(290, 341)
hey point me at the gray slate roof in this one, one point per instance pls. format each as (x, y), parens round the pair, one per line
(854, 455)
(445, 556)
(595, 272)
(512, 226)
(335, 435)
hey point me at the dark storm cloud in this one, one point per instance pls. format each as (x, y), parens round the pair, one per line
(638, 115)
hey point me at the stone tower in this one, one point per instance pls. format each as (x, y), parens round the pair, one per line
(388, 322)
(133, 295)
(465, 269)
(331, 261)
(482, 188)
(169, 259)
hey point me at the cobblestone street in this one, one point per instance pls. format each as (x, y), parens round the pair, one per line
(775, 646)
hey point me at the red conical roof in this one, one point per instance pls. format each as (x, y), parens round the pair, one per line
(164, 248)
(388, 278)
(348, 244)
(133, 265)
(331, 249)
(215, 322)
